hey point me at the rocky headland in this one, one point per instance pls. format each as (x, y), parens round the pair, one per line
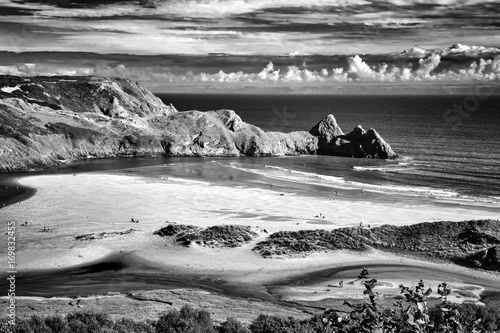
(45, 121)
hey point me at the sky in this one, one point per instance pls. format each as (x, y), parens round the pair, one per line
(309, 46)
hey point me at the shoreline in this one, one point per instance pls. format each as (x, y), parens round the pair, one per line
(9, 195)
(350, 187)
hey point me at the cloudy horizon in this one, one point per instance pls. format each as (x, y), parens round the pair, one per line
(288, 45)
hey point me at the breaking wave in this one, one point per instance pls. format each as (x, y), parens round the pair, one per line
(311, 178)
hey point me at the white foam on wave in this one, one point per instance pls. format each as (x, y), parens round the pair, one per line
(310, 178)
(407, 190)
(381, 169)
(306, 174)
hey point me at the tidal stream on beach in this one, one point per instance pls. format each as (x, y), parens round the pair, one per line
(124, 273)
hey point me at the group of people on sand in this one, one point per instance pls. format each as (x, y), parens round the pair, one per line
(45, 228)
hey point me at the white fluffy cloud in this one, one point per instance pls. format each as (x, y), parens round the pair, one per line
(356, 71)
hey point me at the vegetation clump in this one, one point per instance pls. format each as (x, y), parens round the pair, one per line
(471, 243)
(363, 317)
(103, 235)
(215, 236)
(294, 242)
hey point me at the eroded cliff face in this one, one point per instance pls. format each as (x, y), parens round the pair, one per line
(47, 120)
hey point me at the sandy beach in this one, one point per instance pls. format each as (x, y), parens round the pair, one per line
(97, 202)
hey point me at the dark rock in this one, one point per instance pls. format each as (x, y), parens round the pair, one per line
(358, 143)
(327, 131)
(356, 135)
(374, 146)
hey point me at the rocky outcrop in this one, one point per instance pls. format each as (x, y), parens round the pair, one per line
(358, 143)
(46, 120)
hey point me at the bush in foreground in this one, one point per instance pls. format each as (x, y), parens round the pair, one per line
(187, 320)
(232, 325)
(364, 317)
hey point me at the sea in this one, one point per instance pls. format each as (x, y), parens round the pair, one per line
(448, 145)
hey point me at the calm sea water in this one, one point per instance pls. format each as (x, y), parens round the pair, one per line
(443, 152)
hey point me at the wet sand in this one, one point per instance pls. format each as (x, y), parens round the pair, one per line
(11, 192)
(123, 272)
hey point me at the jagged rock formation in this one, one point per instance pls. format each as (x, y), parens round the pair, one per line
(358, 143)
(46, 120)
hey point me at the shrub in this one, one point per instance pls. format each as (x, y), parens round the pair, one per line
(232, 325)
(5, 325)
(187, 320)
(57, 324)
(271, 324)
(89, 322)
(470, 317)
(126, 325)
(35, 324)
(22, 326)
(490, 317)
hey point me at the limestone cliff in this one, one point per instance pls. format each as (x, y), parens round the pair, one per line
(46, 120)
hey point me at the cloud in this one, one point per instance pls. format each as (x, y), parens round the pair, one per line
(455, 50)
(248, 26)
(356, 70)
(427, 66)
